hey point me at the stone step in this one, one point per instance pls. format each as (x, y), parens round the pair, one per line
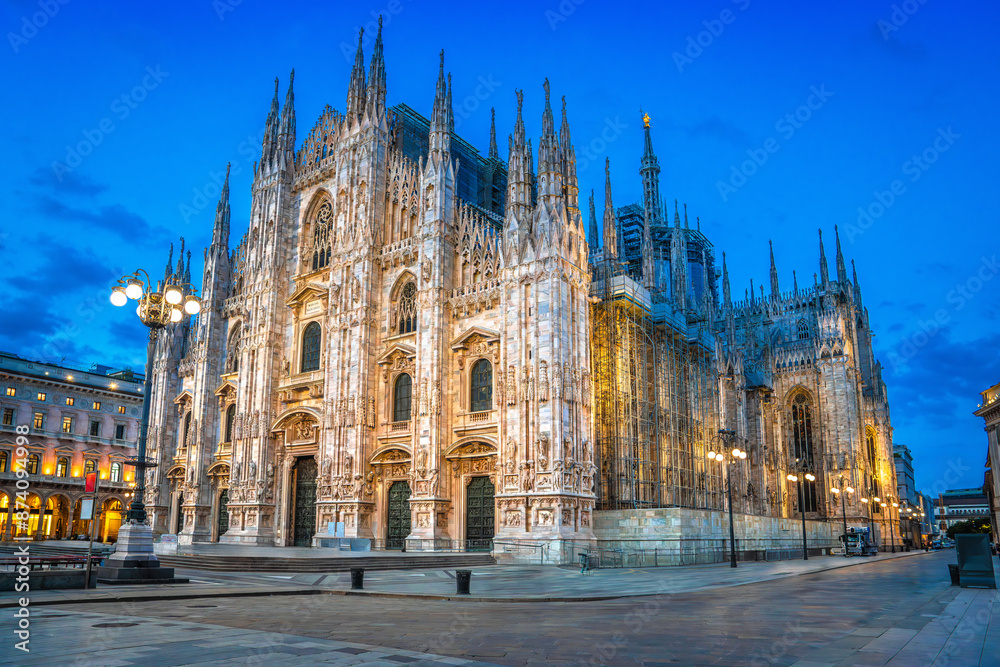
(332, 564)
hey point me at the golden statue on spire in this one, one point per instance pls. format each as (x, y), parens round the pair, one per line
(645, 119)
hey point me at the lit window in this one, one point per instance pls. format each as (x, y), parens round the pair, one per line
(482, 386)
(97, 405)
(116, 472)
(41, 396)
(11, 391)
(33, 462)
(39, 420)
(90, 466)
(70, 400)
(67, 425)
(310, 347)
(3, 461)
(121, 409)
(62, 467)
(402, 398)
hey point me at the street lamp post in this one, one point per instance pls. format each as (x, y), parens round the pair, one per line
(843, 503)
(159, 304)
(802, 502)
(727, 437)
(892, 530)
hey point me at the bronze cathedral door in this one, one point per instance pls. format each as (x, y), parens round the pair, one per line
(399, 516)
(304, 521)
(479, 514)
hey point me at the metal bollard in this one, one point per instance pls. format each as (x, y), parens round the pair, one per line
(357, 578)
(463, 578)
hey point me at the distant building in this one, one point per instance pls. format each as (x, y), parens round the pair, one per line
(903, 460)
(79, 422)
(959, 505)
(989, 410)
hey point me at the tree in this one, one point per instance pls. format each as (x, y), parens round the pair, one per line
(970, 526)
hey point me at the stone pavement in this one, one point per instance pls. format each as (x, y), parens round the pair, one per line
(495, 583)
(107, 640)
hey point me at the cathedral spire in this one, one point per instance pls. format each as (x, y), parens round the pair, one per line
(686, 225)
(795, 283)
(356, 88)
(774, 271)
(180, 262)
(610, 228)
(271, 127)
(286, 123)
(727, 295)
(567, 155)
(824, 271)
(678, 261)
(648, 260)
(857, 285)
(220, 232)
(549, 169)
(592, 232)
(170, 264)
(441, 116)
(376, 77)
(841, 269)
(650, 172)
(494, 153)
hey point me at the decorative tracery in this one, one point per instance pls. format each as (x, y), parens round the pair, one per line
(321, 244)
(406, 309)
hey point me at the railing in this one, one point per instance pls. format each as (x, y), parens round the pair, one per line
(455, 546)
(399, 427)
(476, 417)
(521, 551)
(696, 551)
(78, 437)
(55, 479)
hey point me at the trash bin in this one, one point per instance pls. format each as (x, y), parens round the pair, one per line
(463, 577)
(953, 571)
(357, 578)
(584, 563)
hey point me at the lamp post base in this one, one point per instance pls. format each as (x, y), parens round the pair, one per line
(133, 561)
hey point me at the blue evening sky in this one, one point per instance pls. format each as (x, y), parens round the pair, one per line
(121, 118)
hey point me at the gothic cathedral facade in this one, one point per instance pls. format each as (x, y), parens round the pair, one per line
(399, 350)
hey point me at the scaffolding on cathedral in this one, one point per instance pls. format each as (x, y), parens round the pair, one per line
(655, 401)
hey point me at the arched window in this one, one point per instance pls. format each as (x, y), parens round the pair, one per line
(406, 309)
(90, 466)
(401, 398)
(802, 329)
(872, 451)
(230, 422)
(310, 347)
(33, 461)
(482, 386)
(116, 472)
(321, 248)
(62, 466)
(3, 461)
(802, 429)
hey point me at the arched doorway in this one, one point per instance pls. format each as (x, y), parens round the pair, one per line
(35, 522)
(223, 520)
(479, 509)
(177, 514)
(111, 520)
(304, 519)
(57, 513)
(398, 520)
(4, 511)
